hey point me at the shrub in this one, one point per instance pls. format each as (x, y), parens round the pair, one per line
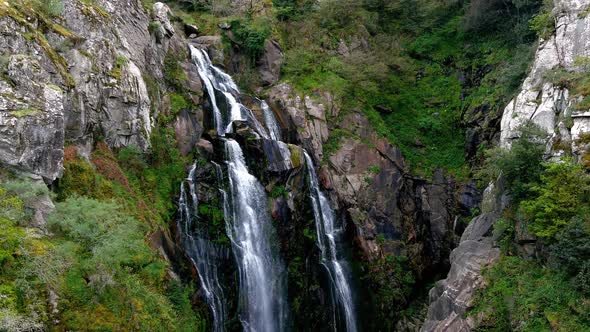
(49, 7)
(11, 236)
(521, 165)
(178, 103)
(543, 23)
(81, 179)
(104, 272)
(560, 196)
(391, 281)
(572, 250)
(251, 36)
(131, 159)
(521, 295)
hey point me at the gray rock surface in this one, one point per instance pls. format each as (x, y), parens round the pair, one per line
(31, 119)
(269, 64)
(539, 100)
(452, 297)
(110, 58)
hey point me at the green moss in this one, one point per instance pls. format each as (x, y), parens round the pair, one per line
(295, 155)
(24, 112)
(178, 103)
(117, 71)
(173, 72)
(81, 179)
(279, 191)
(54, 87)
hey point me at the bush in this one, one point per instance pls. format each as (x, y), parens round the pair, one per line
(174, 75)
(571, 252)
(523, 296)
(251, 36)
(131, 159)
(561, 195)
(521, 165)
(105, 273)
(11, 236)
(391, 282)
(49, 7)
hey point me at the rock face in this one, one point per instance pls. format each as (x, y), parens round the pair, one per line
(85, 82)
(31, 118)
(545, 103)
(386, 209)
(452, 297)
(269, 65)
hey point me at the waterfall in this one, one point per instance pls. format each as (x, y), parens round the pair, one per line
(201, 251)
(249, 226)
(216, 80)
(274, 130)
(327, 236)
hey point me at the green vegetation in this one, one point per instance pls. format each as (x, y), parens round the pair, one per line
(391, 281)
(173, 73)
(117, 71)
(417, 69)
(279, 191)
(520, 166)
(523, 296)
(251, 35)
(561, 196)
(50, 8)
(96, 262)
(549, 202)
(178, 103)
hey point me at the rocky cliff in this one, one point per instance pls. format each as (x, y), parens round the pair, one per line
(553, 97)
(104, 72)
(547, 97)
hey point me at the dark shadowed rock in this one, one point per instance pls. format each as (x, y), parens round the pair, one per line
(452, 297)
(188, 131)
(269, 64)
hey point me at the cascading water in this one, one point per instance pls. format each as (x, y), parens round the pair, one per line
(249, 226)
(201, 251)
(274, 130)
(216, 80)
(327, 236)
(263, 304)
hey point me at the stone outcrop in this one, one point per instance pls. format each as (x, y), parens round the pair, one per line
(452, 297)
(545, 103)
(269, 64)
(387, 209)
(97, 78)
(31, 117)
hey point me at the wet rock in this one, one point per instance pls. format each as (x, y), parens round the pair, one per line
(277, 155)
(214, 47)
(304, 115)
(205, 147)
